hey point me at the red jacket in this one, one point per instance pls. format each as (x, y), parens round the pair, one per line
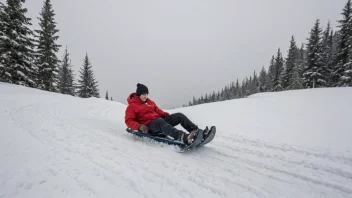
(139, 112)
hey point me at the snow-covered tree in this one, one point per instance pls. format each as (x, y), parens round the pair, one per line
(238, 89)
(262, 80)
(327, 54)
(47, 48)
(16, 46)
(232, 91)
(342, 56)
(3, 21)
(291, 63)
(314, 72)
(206, 98)
(255, 83)
(194, 101)
(297, 72)
(271, 74)
(296, 82)
(66, 77)
(346, 75)
(301, 60)
(107, 95)
(3, 26)
(278, 69)
(87, 85)
(346, 78)
(335, 43)
(213, 97)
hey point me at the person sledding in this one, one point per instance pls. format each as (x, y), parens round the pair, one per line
(144, 115)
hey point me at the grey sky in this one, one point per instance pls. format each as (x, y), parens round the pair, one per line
(180, 48)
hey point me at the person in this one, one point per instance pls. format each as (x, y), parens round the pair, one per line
(144, 115)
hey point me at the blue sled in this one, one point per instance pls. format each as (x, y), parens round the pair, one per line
(160, 138)
(200, 141)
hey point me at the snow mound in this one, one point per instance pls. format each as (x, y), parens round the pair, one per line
(287, 144)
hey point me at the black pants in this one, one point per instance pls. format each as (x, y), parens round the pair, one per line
(166, 125)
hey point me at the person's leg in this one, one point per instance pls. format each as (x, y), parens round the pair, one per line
(180, 118)
(186, 123)
(160, 125)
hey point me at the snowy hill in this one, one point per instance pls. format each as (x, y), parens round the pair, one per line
(287, 144)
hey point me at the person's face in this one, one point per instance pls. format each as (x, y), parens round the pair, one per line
(143, 97)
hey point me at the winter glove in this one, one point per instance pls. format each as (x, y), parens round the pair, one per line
(165, 114)
(143, 128)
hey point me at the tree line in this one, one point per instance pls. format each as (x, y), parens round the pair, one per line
(29, 57)
(325, 61)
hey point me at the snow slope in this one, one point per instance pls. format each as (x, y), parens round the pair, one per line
(288, 144)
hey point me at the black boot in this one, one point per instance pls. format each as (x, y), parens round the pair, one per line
(189, 138)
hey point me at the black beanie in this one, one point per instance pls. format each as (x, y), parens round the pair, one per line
(141, 89)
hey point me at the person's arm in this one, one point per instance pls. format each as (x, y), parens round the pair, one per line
(160, 112)
(130, 118)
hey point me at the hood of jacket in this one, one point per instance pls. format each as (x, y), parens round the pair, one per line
(133, 98)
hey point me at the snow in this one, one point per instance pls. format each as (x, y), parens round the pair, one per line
(2, 37)
(21, 73)
(286, 144)
(8, 74)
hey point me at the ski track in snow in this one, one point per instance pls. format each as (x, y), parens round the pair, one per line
(72, 150)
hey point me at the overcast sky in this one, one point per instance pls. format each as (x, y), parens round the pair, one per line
(180, 48)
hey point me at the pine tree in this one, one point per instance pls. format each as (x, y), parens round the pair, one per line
(255, 83)
(66, 77)
(287, 76)
(3, 25)
(232, 91)
(262, 80)
(301, 61)
(246, 85)
(314, 74)
(296, 82)
(271, 74)
(342, 57)
(16, 46)
(47, 48)
(194, 101)
(227, 93)
(88, 86)
(238, 89)
(327, 55)
(335, 43)
(243, 89)
(249, 85)
(111, 98)
(278, 69)
(107, 95)
(221, 97)
(346, 78)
